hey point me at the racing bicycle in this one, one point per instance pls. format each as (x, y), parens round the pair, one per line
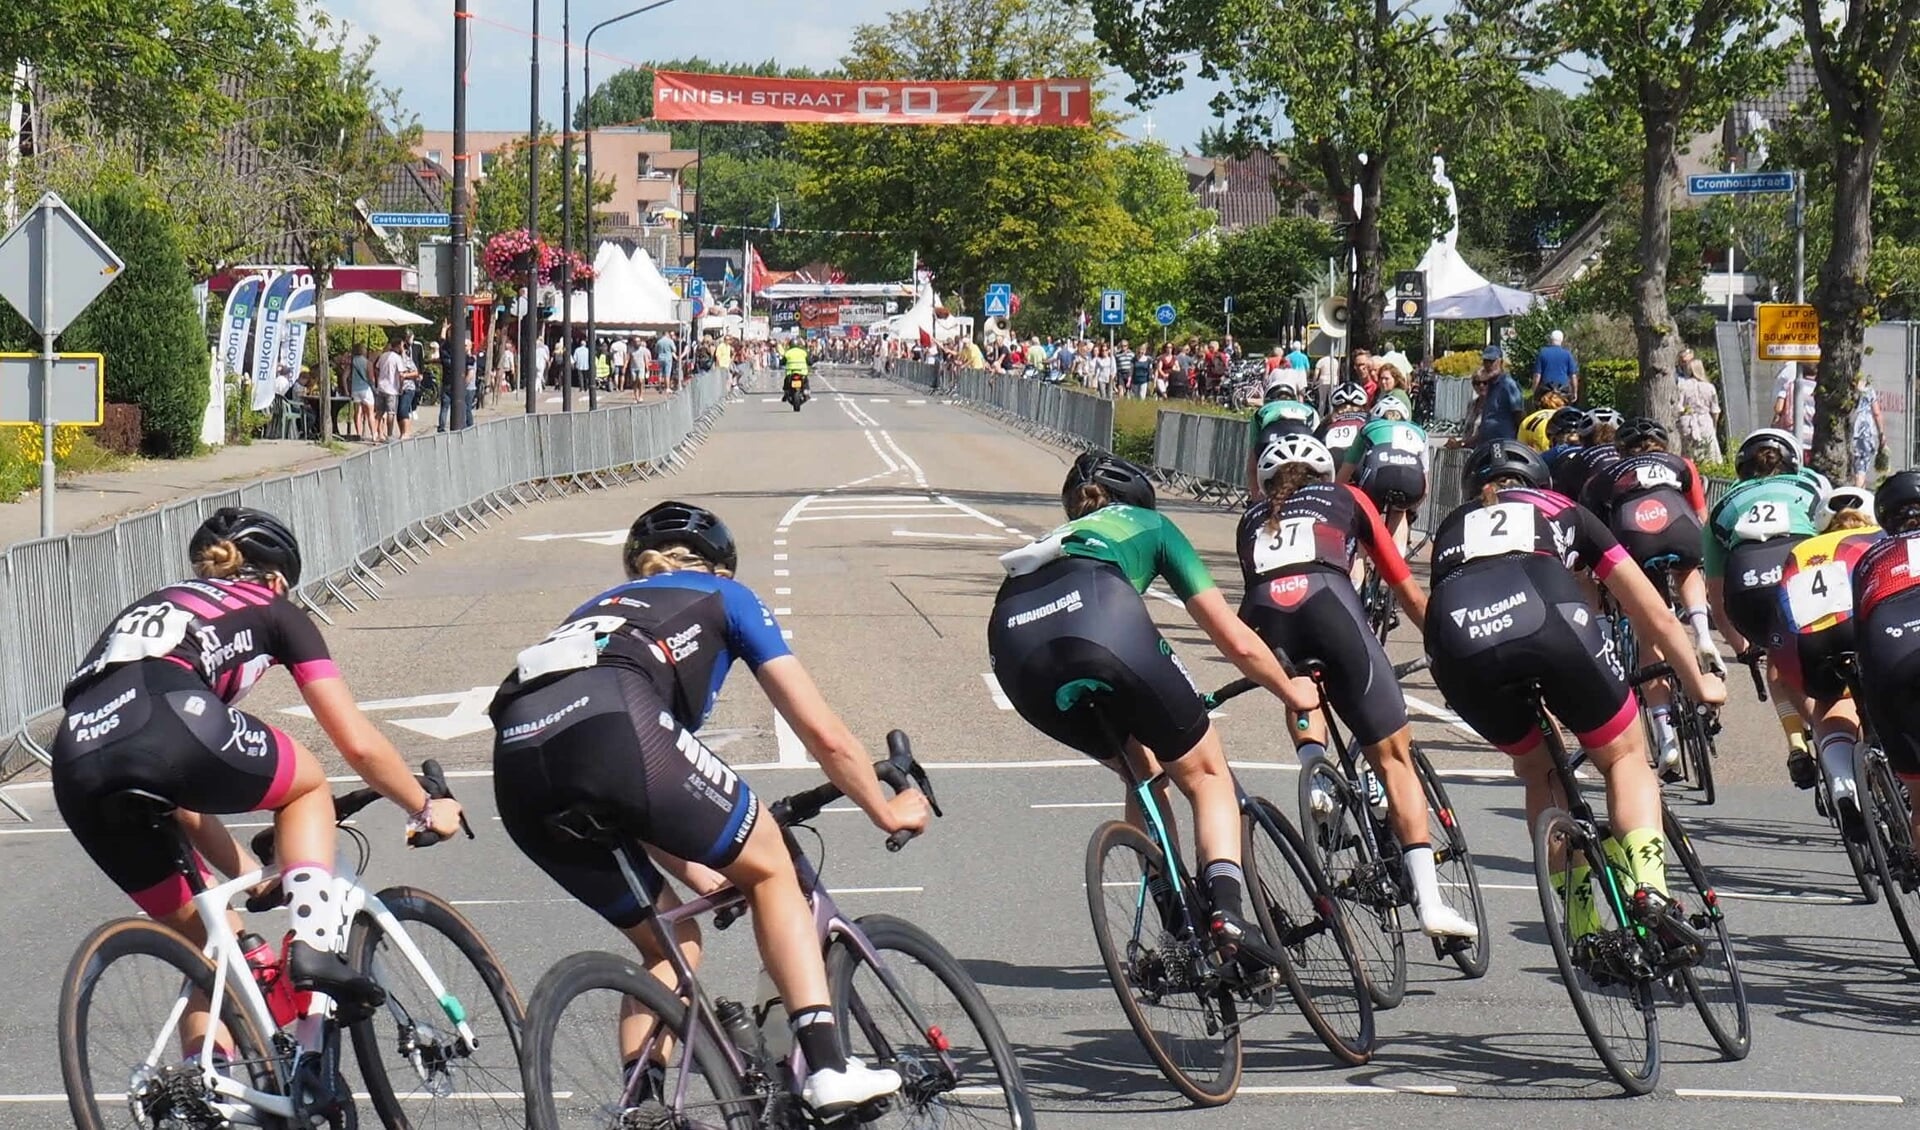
(1695, 725)
(900, 1001)
(444, 1044)
(1892, 857)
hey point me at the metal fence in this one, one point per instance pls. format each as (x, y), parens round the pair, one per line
(1892, 362)
(386, 505)
(1075, 419)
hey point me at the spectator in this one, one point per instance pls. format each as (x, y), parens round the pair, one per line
(1143, 368)
(1278, 359)
(1231, 347)
(1556, 370)
(1869, 433)
(386, 378)
(582, 362)
(1501, 403)
(508, 365)
(617, 360)
(409, 386)
(1296, 356)
(1182, 374)
(1214, 365)
(663, 352)
(1395, 385)
(1699, 411)
(364, 424)
(1793, 404)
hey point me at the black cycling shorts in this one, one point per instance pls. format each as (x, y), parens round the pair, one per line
(1393, 480)
(1888, 641)
(155, 726)
(1808, 662)
(1316, 615)
(1658, 524)
(1753, 572)
(1497, 625)
(1079, 658)
(606, 738)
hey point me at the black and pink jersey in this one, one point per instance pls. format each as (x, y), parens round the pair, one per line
(1525, 520)
(227, 632)
(1319, 526)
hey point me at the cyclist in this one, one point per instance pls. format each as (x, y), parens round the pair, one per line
(1534, 429)
(1296, 547)
(1069, 622)
(1349, 416)
(1505, 611)
(795, 361)
(1595, 452)
(1886, 601)
(151, 708)
(605, 709)
(1750, 533)
(1389, 461)
(1655, 504)
(1563, 435)
(1815, 627)
(1282, 413)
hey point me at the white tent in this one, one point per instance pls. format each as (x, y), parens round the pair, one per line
(921, 322)
(620, 299)
(651, 283)
(358, 308)
(1455, 291)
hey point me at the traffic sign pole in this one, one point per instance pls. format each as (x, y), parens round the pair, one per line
(46, 394)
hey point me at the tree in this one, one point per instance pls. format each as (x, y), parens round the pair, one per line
(1672, 67)
(1357, 79)
(1861, 60)
(739, 191)
(627, 99)
(1164, 224)
(500, 201)
(1264, 268)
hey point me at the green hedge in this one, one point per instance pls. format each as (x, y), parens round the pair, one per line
(1610, 383)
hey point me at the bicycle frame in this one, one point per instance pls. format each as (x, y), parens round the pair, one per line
(1580, 810)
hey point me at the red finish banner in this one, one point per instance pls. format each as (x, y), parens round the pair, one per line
(683, 97)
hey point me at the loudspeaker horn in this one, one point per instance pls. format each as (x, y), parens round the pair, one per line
(1332, 316)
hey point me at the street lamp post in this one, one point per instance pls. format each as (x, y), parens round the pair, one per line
(586, 81)
(530, 320)
(453, 376)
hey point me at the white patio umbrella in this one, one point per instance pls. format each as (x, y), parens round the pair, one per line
(358, 308)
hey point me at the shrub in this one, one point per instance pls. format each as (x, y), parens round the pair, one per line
(119, 430)
(1459, 363)
(243, 423)
(1610, 383)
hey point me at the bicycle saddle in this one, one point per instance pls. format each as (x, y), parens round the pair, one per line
(593, 823)
(138, 806)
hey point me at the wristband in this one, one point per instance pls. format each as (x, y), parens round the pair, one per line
(421, 821)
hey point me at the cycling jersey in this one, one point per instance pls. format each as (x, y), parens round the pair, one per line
(681, 631)
(227, 632)
(1815, 614)
(1886, 599)
(1141, 543)
(1524, 521)
(1318, 527)
(1339, 432)
(1390, 459)
(1651, 501)
(1886, 569)
(1570, 475)
(1379, 436)
(1280, 418)
(1759, 510)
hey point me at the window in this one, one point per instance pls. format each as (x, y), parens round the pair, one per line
(486, 159)
(434, 156)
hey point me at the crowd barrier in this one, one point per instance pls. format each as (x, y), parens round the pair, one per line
(1073, 419)
(386, 505)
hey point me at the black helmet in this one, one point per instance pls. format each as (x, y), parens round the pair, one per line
(1783, 442)
(681, 523)
(1568, 419)
(264, 541)
(1638, 430)
(1501, 457)
(1895, 496)
(1124, 481)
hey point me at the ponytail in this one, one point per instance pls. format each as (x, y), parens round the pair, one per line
(1281, 486)
(1087, 497)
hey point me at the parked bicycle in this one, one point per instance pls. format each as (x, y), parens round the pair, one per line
(900, 1001)
(136, 993)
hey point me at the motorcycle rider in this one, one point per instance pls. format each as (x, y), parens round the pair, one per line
(795, 362)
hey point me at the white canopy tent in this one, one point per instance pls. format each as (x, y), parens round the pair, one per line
(620, 298)
(358, 308)
(921, 322)
(651, 283)
(1455, 291)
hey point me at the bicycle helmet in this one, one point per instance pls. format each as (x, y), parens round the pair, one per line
(1294, 449)
(1841, 499)
(1533, 429)
(1600, 418)
(1349, 395)
(1638, 430)
(1390, 408)
(1124, 481)
(1503, 458)
(264, 541)
(682, 523)
(1288, 381)
(1567, 421)
(1783, 442)
(1895, 499)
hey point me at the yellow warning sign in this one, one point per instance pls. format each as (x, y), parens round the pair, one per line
(1787, 332)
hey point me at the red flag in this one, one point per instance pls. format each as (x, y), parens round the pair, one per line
(756, 272)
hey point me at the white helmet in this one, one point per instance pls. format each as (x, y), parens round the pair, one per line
(1292, 382)
(1843, 498)
(1390, 408)
(1349, 395)
(1294, 449)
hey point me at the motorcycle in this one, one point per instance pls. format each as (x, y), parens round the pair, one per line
(796, 393)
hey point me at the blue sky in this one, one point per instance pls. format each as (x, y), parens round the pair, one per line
(416, 50)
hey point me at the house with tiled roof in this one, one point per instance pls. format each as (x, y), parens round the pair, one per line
(1246, 192)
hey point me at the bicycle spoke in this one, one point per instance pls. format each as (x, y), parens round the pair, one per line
(1358, 877)
(1713, 978)
(1893, 847)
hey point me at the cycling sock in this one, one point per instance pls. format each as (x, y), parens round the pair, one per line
(1582, 918)
(1224, 880)
(652, 1083)
(1702, 627)
(311, 907)
(1646, 857)
(814, 1029)
(1418, 859)
(1836, 757)
(1307, 751)
(1790, 723)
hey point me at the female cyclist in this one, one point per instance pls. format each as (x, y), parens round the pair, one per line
(1886, 601)
(1348, 417)
(151, 708)
(1750, 532)
(605, 709)
(1505, 613)
(1069, 620)
(1283, 413)
(1596, 452)
(1388, 461)
(1297, 545)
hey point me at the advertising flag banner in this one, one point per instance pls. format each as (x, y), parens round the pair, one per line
(266, 342)
(238, 322)
(682, 97)
(293, 346)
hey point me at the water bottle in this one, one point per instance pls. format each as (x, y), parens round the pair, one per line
(269, 974)
(740, 1028)
(776, 1039)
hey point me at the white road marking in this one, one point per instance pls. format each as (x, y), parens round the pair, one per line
(781, 572)
(1447, 718)
(786, 633)
(1000, 698)
(1785, 1096)
(964, 508)
(1080, 804)
(1165, 597)
(783, 592)
(779, 541)
(947, 537)
(779, 557)
(593, 537)
(879, 400)
(783, 612)
(794, 512)
(763, 400)
(1370, 1089)
(792, 750)
(469, 715)
(868, 516)
(916, 402)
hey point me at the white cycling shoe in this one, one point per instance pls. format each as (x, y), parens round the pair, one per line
(833, 1091)
(1445, 922)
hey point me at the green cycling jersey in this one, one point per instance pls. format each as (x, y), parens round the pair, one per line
(1760, 510)
(1290, 411)
(1142, 543)
(1396, 434)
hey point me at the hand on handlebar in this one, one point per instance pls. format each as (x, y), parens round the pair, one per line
(1300, 694)
(1708, 689)
(905, 812)
(444, 818)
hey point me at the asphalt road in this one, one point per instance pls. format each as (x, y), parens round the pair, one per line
(871, 522)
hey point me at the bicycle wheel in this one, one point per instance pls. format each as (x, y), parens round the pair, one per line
(1713, 979)
(1165, 983)
(1301, 920)
(1860, 855)
(418, 1068)
(570, 1057)
(1884, 805)
(1453, 862)
(1600, 966)
(1698, 747)
(118, 996)
(937, 1030)
(1357, 876)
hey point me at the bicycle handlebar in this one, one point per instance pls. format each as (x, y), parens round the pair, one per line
(899, 771)
(1313, 669)
(346, 805)
(1752, 658)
